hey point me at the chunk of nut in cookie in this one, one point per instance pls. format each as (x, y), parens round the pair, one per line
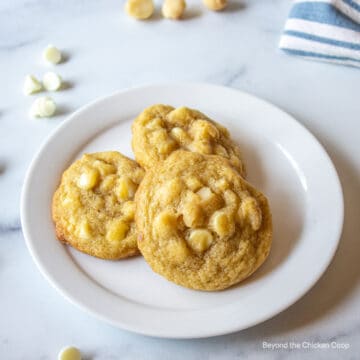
(200, 240)
(88, 179)
(250, 212)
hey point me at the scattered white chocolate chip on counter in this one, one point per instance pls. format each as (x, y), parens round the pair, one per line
(43, 107)
(52, 81)
(139, 9)
(31, 85)
(215, 5)
(173, 9)
(69, 353)
(52, 54)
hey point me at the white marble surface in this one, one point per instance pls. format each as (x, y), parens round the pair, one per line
(106, 52)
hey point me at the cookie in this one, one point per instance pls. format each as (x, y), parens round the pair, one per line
(93, 209)
(200, 224)
(159, 130)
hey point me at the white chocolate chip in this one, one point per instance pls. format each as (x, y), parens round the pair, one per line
(52, 81)
(200, 240)
(173, 9)
(31, 85)
(250, 211)
(222, 223)
(85, 230)
(88, 179)
(139, 9)
(43, 107)
(69, 353)
(52, 54)
(205, 193)
(215, 5)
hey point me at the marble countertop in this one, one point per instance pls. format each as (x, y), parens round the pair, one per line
(107, 51)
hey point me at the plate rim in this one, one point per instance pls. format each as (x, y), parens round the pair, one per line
(209, 333)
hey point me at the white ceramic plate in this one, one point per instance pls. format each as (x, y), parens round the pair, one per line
(283, 160)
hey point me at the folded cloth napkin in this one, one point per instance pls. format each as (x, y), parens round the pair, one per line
(324, 30)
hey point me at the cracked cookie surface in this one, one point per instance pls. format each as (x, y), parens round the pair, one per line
(200, 224)
(160, 129)
(93, 208)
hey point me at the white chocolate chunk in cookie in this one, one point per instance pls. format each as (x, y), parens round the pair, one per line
(202, 147)
(117, 230)
(220, 150)
(250, 211)
(176, 250)
(165, 224)
(88, 179)
(221, 185)
(205, 193)
(204, 130)
(180, 135)
(108, 183)
(231, 199)
(193, 215)
(155, 124)
(222, 223)
(200, 240)
(85, 230)
(128, 210)
(171, 190)
(104, 168)
(125, 189)
(193, 183)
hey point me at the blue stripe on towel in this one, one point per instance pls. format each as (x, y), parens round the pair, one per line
(353, 4)
(322, 13)
(323, 40)
(319, 56)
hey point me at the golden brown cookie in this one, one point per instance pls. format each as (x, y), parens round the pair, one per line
(160, 129)
(200, 224)
(93, 209)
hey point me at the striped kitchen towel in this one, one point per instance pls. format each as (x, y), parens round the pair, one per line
(325, 30)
